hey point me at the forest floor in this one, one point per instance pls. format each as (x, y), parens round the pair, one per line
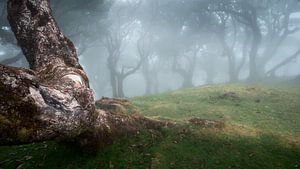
(221, 126)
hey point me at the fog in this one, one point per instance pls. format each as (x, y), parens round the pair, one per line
(142, 47)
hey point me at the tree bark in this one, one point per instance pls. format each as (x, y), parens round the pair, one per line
(53, 99)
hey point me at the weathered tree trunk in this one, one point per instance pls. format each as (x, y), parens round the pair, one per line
(53, 99)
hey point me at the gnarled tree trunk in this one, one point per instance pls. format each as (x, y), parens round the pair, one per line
(52, 99)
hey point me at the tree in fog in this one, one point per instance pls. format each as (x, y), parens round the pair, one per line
(146, 53)
(147, 15)
(230, 35)
(269, 23)
(246, 12)
(277, 27)
(179, 43)
(81, 20)
(186, 65)
(121, 25)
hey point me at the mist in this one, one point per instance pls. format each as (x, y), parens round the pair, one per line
(141, 47)
(149, 84)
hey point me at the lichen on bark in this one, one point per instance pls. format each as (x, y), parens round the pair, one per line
(52, 99)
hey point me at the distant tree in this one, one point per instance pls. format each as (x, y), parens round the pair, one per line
(178, 43)
(82, 20)
(278, 27)
(146, 53)
(121, 25)
(186, 65)
(246, 12)
(231, 35)
(148, 16)
(269, 23)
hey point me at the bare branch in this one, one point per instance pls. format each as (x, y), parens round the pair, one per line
(284, 62)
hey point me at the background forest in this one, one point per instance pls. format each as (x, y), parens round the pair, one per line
(139, 47)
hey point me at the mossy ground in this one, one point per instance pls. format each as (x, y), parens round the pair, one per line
(262, 130)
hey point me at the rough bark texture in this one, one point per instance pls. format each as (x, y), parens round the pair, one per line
(53, 98)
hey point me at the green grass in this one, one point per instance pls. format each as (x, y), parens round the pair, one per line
(262, 130)
(267, 109)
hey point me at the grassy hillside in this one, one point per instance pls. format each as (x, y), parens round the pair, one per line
(264, 109)
(262, 130)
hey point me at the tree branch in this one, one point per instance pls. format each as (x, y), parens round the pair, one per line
(284, 62)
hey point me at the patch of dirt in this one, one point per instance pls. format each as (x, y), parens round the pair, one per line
(251, 89)
(230, 95)
(207, 123)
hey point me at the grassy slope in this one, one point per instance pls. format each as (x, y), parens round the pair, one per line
(260, 108)
(261, 131)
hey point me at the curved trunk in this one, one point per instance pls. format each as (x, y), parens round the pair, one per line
(53, 99)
